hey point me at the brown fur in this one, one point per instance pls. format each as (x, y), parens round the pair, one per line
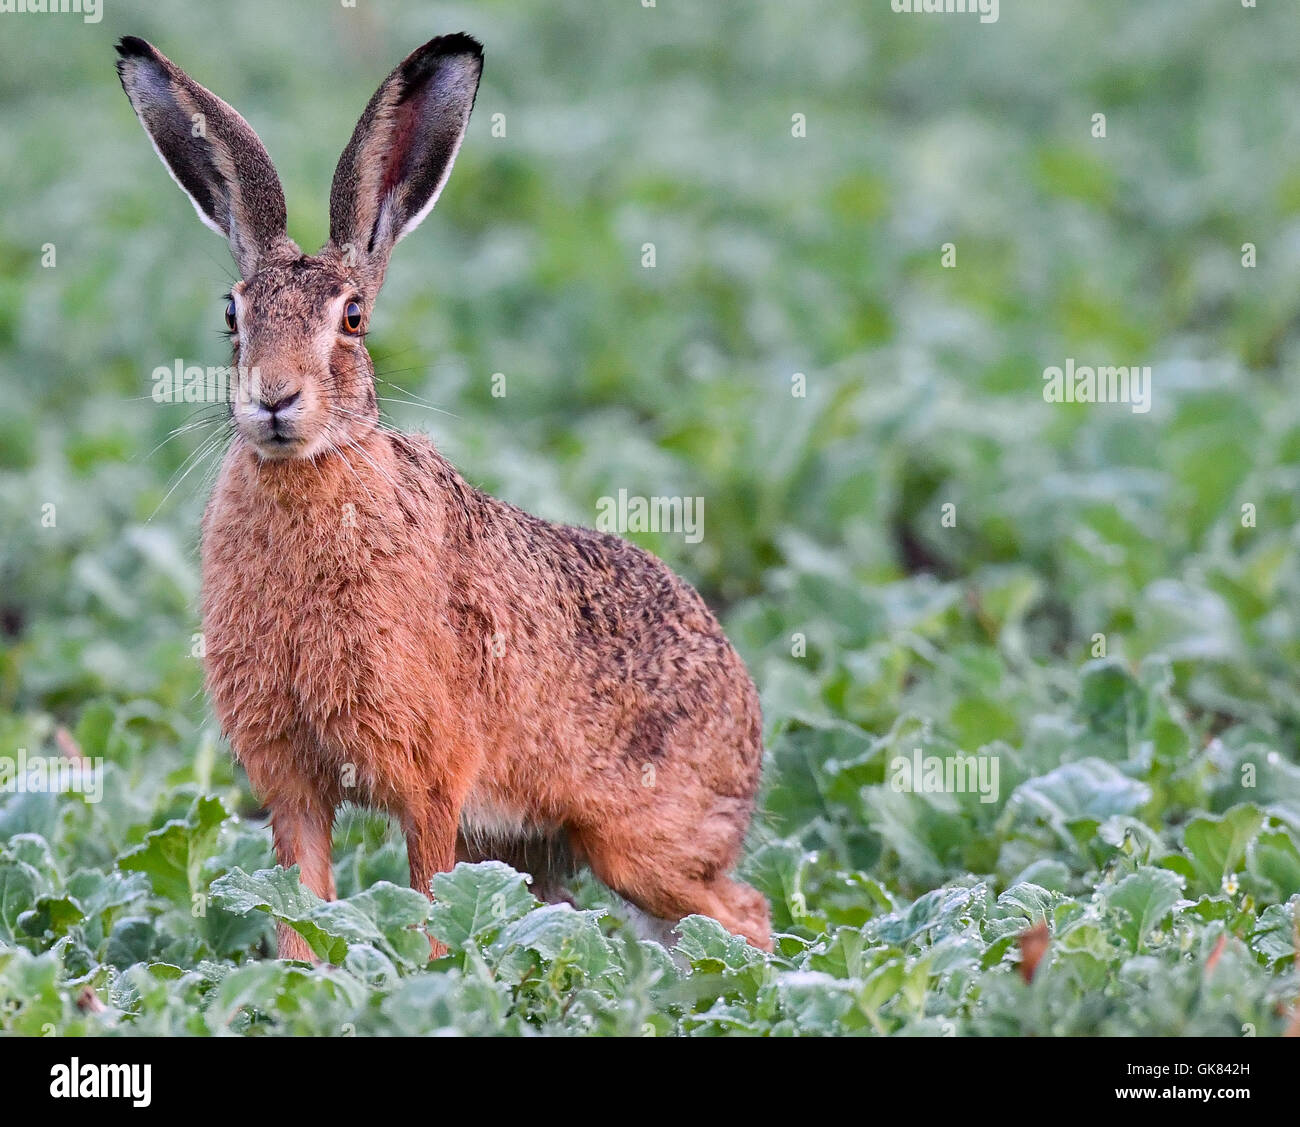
(379, 631)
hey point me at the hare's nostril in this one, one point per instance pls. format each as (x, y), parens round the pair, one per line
(281, 404)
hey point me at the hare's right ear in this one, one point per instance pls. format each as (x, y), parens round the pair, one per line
(402, 150)
(210, 150)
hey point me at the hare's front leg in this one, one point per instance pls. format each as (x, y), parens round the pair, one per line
(431, 825)
(302, 825)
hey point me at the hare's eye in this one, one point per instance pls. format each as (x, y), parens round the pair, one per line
(230, 315)
(352, 318)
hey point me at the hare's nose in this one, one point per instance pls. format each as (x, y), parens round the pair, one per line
(278, 405)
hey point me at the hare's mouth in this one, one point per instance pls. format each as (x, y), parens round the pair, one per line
(277, 430)
(276, 442)
(280, 445)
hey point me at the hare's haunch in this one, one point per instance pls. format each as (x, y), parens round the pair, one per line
(379, 631)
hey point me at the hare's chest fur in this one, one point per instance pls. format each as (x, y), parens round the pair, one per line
(318, 637)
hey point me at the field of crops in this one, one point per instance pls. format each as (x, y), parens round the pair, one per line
(872, 233)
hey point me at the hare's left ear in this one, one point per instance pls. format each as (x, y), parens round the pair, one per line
(402, 150)
(211, 152)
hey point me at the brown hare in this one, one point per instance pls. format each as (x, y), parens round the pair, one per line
(379, 631)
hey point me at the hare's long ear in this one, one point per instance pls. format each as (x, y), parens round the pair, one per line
(402, 151)
(210, 150)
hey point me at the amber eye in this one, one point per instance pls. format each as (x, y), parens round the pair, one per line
(352, 318)
(230, 315)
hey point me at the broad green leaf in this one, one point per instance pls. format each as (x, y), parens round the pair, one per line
(816, 1002)
(1217, 845)
(939, 911)
(20, 884)
(882, 985)
(172, 857)
(1143, 899)
(556, 933)
(1274, 857)
(1274, 936)
(473, 902)
(1028, 900)
(131, 941)
(1089, 789)
(31, 1003)
(450, 1002)
(385, 915)
(34, 850)
(709, 946)
(281, 893)
(51, 915)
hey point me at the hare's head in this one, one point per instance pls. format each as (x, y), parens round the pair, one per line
(298, 321)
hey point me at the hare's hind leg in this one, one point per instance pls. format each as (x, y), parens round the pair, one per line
(740, 908)
(682, 875)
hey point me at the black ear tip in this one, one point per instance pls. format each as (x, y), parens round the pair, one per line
(133, 47)
(458, 43)
(421, 63)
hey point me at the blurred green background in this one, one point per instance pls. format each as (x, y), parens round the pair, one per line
(775, 255)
